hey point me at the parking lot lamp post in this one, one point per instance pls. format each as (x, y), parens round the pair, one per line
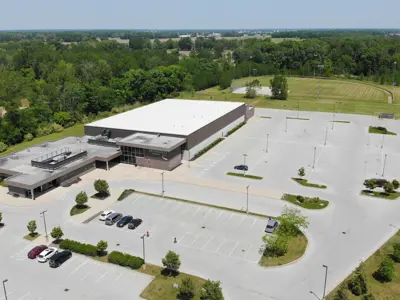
(44, 220)
(247, 199)
(144, 249)
(384, 165)
(333, 120)
(326, 135)
(326, 276)
(286, 125)
(383, 140)
(315, 151)
(162, 184)
(4, 287)
(266, 151)
(244, 163)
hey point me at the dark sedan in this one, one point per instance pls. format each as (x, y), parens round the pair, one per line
(134, 223)
(124, 221)
(36, 251)
(241, 167)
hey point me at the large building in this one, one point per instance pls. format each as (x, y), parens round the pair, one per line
(159, 135)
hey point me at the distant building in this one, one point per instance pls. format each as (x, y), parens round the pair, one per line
(184, 36)
(214, 35)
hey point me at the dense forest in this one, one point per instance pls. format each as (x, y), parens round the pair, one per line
(48, 85)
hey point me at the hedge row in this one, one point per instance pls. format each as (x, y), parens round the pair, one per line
(125, 260)
(74, 246)
(235, 128)
(204, 150)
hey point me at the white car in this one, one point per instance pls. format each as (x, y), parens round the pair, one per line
(105, 214)
(45, 255)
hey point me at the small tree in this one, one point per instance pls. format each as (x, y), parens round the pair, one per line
(102, 247)
(396, 184)
(341, 294)
(81, 199)
(32, 227)
(186, 289)
(388, 187)
(370, 184)
(171, 261)
(386, 271)
(57, 233)
(368, 297)
(101, 186)
(396, 253)
(211, 291)
(279, 87)
(291, 222)
(251, 88)
(275, 245)
(301, 172)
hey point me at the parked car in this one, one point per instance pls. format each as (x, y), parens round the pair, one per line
(36, 251)
(271, 225)
(46, 254)
(134, 223)
(124, 221)
(58, 259)
(241, 167)
(113, 218)
(105, 214)
(380, 182)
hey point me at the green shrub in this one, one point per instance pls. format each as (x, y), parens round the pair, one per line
(3, 147)
(369, 297)
(300, 198)
(74, 246)
(28, 137)
(396, 253)
(396, 184)
(233, 130)
(204, 150)
(354, 286)
(56, 127)
(43, 130)
(382, 129)
(125, 260)
(341, 294)
(386, 271)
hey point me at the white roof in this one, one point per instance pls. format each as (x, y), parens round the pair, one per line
(170, 116)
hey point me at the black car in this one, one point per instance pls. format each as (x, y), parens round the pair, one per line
(59, 258)
(124, 221)
(134, 223)
(241, 167)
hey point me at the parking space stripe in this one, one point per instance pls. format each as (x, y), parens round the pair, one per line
(194, 240)
(182, 237)
(229, 218)
(196, 211)
(115, 280)
(98, 280)
(219, 215)
(247, 251)
(68, 262)
(77, 268)
(223, 241)
(207, 243)
(24, 296)
(83, 277)
(233, 249)
(205, 216)
(241, 221)
(253, 223)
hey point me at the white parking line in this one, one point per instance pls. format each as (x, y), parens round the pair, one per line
(102, 276)
(40, 298)
(68, 262)
(185, 210)
(247, 251)
(196, 211)
(223, 241)
(233, 249)
(219, 215)
(194, 240)
(240, 222)
(182, 237)
(115, 280)
(229, 218)
(205, 245)
(253, 223)
(83, 277)
(24, 296)
(165, 205)
(77, 268)
(205, 216)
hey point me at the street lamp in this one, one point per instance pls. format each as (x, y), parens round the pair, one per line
(44, 219)
(4, 287)
(162, 184)
(384, 166)
(286, 125)
(326, 276)
(315, 150)
(333, 120)
(326, 135)
(266, 151)
(247, 199)
(311, 292)
(244, 164)
(144, 253)
(383, 140)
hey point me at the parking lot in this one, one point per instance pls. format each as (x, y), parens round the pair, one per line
(78, 278)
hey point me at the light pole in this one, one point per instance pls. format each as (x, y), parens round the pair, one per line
(384, 165)
(383, 140)
(144, 252)
(247, 199)
(244, 164)
(4, 287)
(266, 151)
(286, 125)
(326, 135)
(394, 71)
(162, 184)
(315, 151)
(44, 219)
(333, 120)
(326, 276)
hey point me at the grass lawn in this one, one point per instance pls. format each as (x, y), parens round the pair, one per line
(31, 237)
(343, 96)
(311, 205)
(125, 194)
(265, 117)
(161, 286)
(384, 195)
(296, 248)
(380, 130)
(76, 210)
(305, 182)
(390, 290)
(341, 121)
(244, 175)
(301, 119)
(76, 130)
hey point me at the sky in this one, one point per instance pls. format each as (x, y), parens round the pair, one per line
(203, 14)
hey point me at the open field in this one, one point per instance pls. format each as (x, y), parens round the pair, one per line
(389, 290)
(335, 95)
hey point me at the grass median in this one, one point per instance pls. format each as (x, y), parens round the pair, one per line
(384, 195)
(305, 182)
(306, 202)
(244, 175)
(294, 118)
(31, 236)
(380, 130)
(77, 209)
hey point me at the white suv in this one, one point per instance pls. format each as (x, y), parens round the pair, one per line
(45, 255)
(105, 214)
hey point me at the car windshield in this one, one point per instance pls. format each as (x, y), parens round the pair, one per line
(270, 226)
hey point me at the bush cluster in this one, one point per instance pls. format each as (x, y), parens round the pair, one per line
(303, 199)
(74, 246)
(382, 129)
(48, 129)
(235, 128)
(204, 150)
(358, 284)
(125, 260)
(3, 147)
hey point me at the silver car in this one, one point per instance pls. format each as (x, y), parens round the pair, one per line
(271, 225)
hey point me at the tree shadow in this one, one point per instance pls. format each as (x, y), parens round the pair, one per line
(100, 196)
(169, 272)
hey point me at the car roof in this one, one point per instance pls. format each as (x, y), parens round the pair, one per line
(271, 222)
